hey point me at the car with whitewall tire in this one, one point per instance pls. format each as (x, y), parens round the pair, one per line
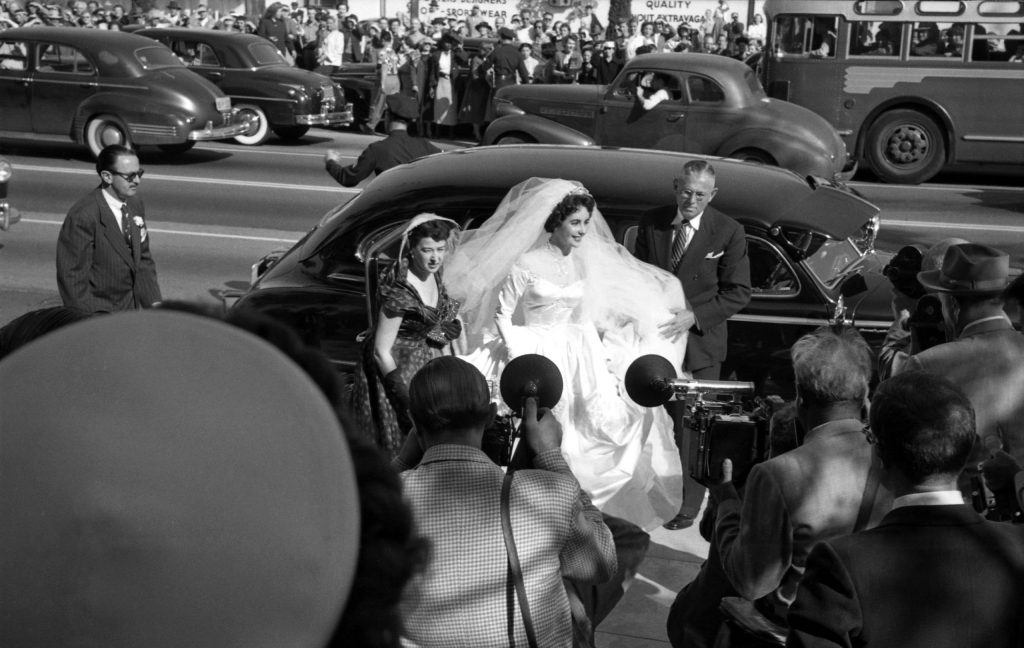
(97, 88)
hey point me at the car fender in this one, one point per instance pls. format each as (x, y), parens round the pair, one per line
(806, 158)
(544, 131)
(114, 103)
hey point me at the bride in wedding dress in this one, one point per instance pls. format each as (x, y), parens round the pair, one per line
(544, 275)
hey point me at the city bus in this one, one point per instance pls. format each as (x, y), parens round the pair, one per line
(911, 85)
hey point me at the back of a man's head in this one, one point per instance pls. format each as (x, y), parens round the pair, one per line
(831, 367)
(923, 424)
(447, 395)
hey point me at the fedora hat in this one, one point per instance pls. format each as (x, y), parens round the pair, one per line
(969, 269)
(402, 106)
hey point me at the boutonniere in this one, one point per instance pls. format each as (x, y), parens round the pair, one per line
(141, 224)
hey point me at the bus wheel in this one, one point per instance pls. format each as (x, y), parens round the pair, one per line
(905, 147)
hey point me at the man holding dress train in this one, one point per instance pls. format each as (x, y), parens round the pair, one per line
(707, 251)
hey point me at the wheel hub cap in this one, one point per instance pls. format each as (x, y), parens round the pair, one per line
(907, 145)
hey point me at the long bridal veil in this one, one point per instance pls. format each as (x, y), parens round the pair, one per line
(624, 298)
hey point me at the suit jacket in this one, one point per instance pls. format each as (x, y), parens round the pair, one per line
(412, 77)
(96, 270)
(790, 502)
(715, 273)
(459, 59)
(926, 577)
(399, 147)
(459, 600)
(987, 363)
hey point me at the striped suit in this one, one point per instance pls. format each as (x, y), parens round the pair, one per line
(96, 269)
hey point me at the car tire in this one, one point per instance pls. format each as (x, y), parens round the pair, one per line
(905, 146)
(105, 130)
(260, 130)
(177, 149)
(516, 138)
(291, 132)
(755, 156)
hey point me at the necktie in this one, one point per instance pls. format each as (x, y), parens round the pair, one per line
(126, 225)
(680, 240)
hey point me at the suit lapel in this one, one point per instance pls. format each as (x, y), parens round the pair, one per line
(111, 230)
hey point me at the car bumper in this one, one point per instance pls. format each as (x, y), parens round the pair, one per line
(220, 132)
(339, 118)
(8, 216)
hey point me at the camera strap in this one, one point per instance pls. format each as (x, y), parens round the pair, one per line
(515, 572)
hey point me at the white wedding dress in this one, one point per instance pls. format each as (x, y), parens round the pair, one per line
(559, 307)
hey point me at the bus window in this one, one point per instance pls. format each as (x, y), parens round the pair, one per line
(996, 43)
(927, 40)
(953, 41)
(814, 37)
(876, 39)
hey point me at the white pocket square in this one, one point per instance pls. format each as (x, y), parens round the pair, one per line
(714, 255)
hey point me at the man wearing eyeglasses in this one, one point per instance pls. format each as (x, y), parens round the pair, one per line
(103, 258)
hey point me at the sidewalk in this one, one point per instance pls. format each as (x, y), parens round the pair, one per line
(638, 621)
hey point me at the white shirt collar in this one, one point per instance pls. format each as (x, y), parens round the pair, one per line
(694, 222)
(935, 498)
(115, 206)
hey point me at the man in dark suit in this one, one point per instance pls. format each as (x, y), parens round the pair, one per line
(707, 250)
(986, 359)
(933, 573)
(399, 147)
(103, 258)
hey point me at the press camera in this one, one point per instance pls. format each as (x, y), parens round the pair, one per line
(524, 377)
(728, 422)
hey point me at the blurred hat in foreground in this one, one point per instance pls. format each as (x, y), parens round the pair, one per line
(168, 480)
(969, 269)
(402, 106)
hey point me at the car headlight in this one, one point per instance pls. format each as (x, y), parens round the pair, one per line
(6, 170)
(297, 91)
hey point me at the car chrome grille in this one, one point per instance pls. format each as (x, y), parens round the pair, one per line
(326, 95)
(152, 130)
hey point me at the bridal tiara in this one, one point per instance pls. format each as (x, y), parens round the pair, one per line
(579, 190)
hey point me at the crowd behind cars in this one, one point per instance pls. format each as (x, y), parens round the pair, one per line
(580, 48)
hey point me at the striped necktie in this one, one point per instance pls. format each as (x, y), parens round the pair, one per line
(680, 239)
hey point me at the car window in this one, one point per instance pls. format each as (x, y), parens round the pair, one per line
(13, 55)
(155, 58)
(265, 54)
(193, 53)
(704, 91)
(770, 272)
(63, 58)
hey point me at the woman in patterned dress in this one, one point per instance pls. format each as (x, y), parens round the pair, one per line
(416, 323)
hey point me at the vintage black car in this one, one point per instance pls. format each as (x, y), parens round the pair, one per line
(808, 244)
(8, 214)
(275, 96)
(715, 106)
(99, 87)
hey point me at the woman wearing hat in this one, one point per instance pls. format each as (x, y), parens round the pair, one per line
(444, 66)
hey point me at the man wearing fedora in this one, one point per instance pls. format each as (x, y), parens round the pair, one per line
(986, 360)
(399, 147)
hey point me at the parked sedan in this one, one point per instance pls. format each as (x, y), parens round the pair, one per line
(715, 106)
(275, 96)
(99, 87)
(806, 242)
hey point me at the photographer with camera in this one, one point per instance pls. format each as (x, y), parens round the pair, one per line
(986, 361)
(458, 499)
(823, 488)
(917, 315)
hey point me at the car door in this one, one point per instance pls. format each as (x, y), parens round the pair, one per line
(15, 87)
(624, 122)
(710, 119)
(64, 77)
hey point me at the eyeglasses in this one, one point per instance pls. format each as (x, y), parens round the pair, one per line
(608, 49)
(130, 177)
